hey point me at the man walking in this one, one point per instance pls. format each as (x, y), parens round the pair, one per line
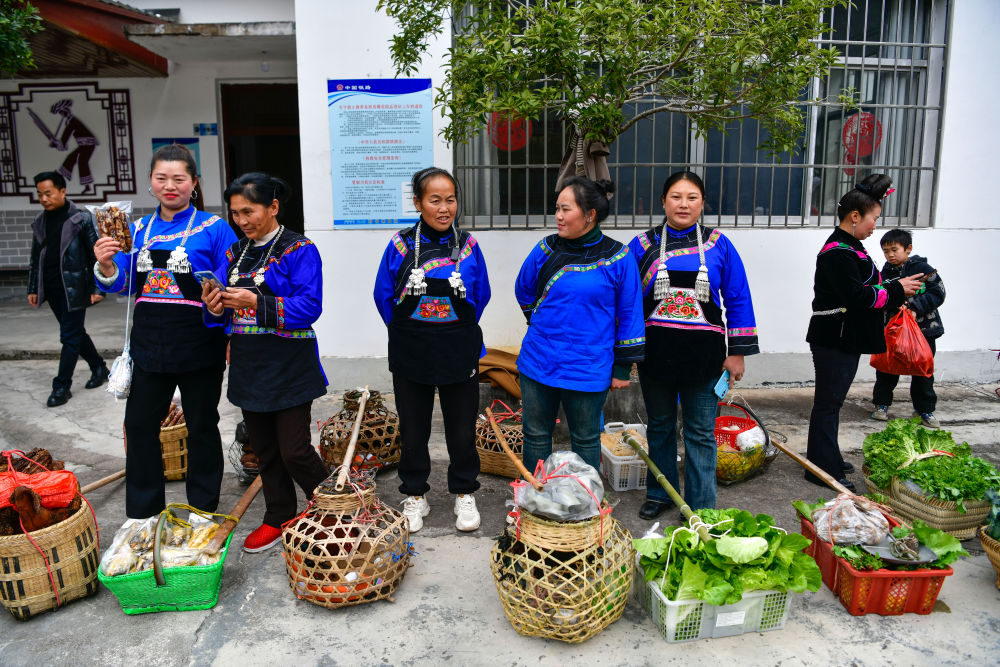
(62, 260)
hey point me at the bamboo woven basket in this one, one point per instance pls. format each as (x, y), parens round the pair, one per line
(565, 592)
(492, 458)
(870, 485)
(348, 549)
(70, 547)
(992, 549)
(173, 443)
(379, 443)
(936, 513)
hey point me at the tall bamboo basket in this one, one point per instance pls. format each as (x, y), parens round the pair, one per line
(70, 547)
(348, 548)
(173, 443)
(492, 458)
(563, 580)
(379, 443)
(992, 549)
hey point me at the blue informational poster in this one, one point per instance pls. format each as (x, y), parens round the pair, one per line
(381, 132)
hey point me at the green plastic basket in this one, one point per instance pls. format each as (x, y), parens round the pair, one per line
(187, 588)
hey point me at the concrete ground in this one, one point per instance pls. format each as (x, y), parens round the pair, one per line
(447, 608)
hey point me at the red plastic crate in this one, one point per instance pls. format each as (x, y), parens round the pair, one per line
(884, 592)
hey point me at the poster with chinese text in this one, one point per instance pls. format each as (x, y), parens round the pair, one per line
(381, 132)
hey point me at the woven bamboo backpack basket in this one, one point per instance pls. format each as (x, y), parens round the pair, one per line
(71, 551)
(347, 548)
(378, 440)
(492, 458)
(563, 580)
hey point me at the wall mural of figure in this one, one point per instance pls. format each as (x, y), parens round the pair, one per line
(86, 142)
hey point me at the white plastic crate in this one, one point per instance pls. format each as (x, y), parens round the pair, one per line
(623, 473)
(683, 621)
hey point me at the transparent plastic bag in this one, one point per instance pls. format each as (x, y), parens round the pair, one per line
(572, 489)
(850, 520)
(112, 221)
(120, 377)
(133, 539)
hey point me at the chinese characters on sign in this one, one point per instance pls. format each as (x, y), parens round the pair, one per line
(380, 134)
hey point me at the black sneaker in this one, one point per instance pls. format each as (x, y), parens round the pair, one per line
(844, 482)
(98, 377)
(58, 397)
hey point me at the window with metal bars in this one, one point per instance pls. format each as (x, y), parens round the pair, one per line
(892, 56)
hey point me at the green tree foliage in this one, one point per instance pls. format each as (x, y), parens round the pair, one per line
(713, 60)
(18, 22)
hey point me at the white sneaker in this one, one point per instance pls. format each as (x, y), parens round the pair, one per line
(468, 515)
(415, 508)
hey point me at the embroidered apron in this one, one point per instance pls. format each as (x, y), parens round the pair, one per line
(271, 370)
(169, 333)
(435, 338)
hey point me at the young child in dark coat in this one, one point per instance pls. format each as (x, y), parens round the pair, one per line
(897, 244)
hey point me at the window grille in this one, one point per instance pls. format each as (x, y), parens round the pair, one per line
(892, 56)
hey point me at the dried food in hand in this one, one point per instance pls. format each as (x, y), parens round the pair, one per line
(112, 222)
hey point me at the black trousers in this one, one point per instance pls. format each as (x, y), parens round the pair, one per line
(459, 407)
(283, 444)
(147, 405)
(835, 371)
(921, 389)
(73, 336)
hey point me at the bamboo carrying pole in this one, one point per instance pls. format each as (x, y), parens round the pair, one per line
(511, 455)
(671, 491)
(237, 512)
(345, 466)
(101, 482)
(813, 468)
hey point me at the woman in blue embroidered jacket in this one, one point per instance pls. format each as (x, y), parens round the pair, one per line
(579, 291)
(849, 303)
(273, 297)
(173, 344)
(685, 269)
(431, 290)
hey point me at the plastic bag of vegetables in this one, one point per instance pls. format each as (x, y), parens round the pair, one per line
(572, 489)
(850, 519)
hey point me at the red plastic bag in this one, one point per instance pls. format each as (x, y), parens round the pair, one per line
(57, 488)
(907, 350)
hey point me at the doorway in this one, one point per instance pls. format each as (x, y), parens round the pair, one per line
(260, 132)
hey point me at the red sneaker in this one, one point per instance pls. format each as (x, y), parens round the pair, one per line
(262, 539)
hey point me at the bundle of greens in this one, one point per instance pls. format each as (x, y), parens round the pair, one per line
(749, 553)
(953, 478)
(947, 549)
(993, 520)
(888, 450)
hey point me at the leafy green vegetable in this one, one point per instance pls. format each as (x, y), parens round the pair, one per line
(901, 440)
(859, 558)
(946, 547)
(807, 509)
(754, 554)
(741, 550)
(953, 478)
(993, 520)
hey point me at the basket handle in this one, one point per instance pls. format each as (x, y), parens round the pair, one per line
(161, 523)
(615, 425)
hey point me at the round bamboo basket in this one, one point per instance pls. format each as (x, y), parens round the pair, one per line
(565, 594)
(378, 444)
(492, 458)
(564, 535)
(992, 549)
(347, 549)
(936, 513)
(70, 547)
(173, 443)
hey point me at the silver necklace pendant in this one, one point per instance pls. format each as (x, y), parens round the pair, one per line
(178, 261)
(234, 275)
(144, 263)
(258, 278)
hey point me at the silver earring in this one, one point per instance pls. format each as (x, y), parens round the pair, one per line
(194, 195)
(150, 190)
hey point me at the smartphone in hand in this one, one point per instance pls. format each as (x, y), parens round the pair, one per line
(208, 277)
(722, 386)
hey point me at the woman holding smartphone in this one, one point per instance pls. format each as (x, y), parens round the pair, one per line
(688, 272)
(273, 297)
(173, 343)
